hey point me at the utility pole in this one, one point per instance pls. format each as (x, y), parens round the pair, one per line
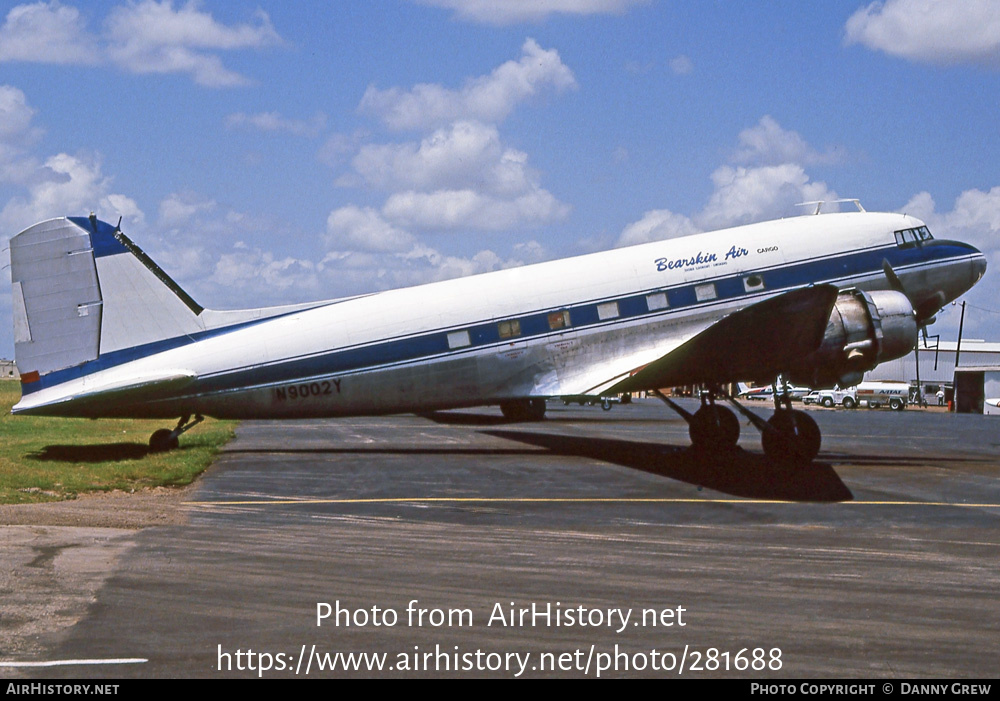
(958, 347)
(958, 351)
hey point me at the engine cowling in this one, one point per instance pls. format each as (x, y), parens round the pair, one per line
(865, 329)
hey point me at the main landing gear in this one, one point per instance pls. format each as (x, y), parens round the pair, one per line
(790, 437)
(164, 439)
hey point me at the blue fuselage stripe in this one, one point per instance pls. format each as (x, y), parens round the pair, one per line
(485, 333)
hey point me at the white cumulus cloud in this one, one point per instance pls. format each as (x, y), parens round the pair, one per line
(768, 143)
(154, 37)
(745, 195)
(460, 155)
(769, 188)
(656, 225)
(150, 36)
(930, 31)
(247, 268)
(16, 136)
(489, 98)
(47, 32)
(355, 228)
(459, 209)
(460, 175)
(68, 186)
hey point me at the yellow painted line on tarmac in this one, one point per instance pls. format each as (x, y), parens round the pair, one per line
(570, 500)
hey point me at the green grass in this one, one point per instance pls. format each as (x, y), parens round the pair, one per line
(43, 459)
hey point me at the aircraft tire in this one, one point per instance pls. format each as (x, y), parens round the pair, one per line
(163, 440)
(714, 426)
(795, 438)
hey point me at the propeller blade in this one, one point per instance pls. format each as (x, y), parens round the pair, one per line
(926, 309)
(894, 282)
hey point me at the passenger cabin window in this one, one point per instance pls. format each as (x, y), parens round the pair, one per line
(704, 293)
(509, 329)
(905, 238)
(657, 300)
(559, 320)
(752, 283)
(608, 310)
(459, 339)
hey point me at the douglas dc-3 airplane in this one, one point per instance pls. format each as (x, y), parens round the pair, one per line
(102, 331)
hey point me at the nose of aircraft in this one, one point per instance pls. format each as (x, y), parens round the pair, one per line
(978, 267)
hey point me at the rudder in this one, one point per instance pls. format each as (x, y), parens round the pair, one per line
(56, 298)
(82, 289)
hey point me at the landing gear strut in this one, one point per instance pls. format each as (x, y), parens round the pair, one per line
(712, 426)
(790, 437)
(164, 439)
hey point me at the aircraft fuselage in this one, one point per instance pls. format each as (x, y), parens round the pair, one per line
(566, 327)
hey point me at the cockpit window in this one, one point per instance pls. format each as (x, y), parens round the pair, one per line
(912, 237)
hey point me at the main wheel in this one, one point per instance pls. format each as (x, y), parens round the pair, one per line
(163, 440)
(714, 426)
(793, 438)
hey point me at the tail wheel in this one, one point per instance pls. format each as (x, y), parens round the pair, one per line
(792, 438)
(714, 426)
(163, 440)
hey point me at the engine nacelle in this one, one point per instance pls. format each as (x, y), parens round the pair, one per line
(865, 329)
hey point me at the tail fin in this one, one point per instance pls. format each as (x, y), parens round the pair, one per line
(82, 289)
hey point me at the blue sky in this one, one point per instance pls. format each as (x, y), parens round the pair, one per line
(278, 152)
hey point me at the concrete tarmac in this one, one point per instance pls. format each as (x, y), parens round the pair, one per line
(592, 543)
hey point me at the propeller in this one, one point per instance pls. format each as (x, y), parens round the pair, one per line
(926, 309)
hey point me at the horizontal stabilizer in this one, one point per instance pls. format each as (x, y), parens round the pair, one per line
(141, 388)
(756, 343)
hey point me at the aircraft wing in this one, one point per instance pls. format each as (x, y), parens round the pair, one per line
(758, 342)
